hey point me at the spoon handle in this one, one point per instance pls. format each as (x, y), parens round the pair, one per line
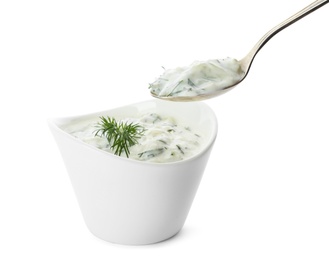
(247, 60)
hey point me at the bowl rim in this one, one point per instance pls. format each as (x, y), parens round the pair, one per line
(66, 119)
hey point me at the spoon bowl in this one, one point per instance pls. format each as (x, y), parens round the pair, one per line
(246, 62)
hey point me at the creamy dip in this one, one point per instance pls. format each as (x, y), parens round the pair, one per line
(200, 78)
(163, 140)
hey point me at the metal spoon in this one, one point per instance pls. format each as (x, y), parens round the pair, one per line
(246, 62)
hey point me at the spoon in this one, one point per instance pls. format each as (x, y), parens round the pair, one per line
(243, 64)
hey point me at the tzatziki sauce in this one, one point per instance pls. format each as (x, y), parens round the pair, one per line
(200, 78)
(163, 140)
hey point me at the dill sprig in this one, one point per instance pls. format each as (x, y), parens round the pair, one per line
(120, 135)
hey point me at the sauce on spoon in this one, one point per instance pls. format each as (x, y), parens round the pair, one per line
(201, 78)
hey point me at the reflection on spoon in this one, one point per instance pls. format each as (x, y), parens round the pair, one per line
(207, 79)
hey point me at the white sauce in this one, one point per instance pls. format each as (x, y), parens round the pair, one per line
(200, 78)
(163, 141)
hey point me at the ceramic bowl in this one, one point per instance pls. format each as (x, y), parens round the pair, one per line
(134, 202)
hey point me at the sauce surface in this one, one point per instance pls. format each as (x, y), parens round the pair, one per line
(163, 140)
(200, 78)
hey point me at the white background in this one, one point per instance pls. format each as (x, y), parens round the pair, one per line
(264, 194)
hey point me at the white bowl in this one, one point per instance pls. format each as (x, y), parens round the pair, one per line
(134, 202)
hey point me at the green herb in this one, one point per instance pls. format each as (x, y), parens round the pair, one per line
(156, 117)
(120, 135)
(180, 149)
(172, 92)
(190, 82)
(164, 142)
(151, 153)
